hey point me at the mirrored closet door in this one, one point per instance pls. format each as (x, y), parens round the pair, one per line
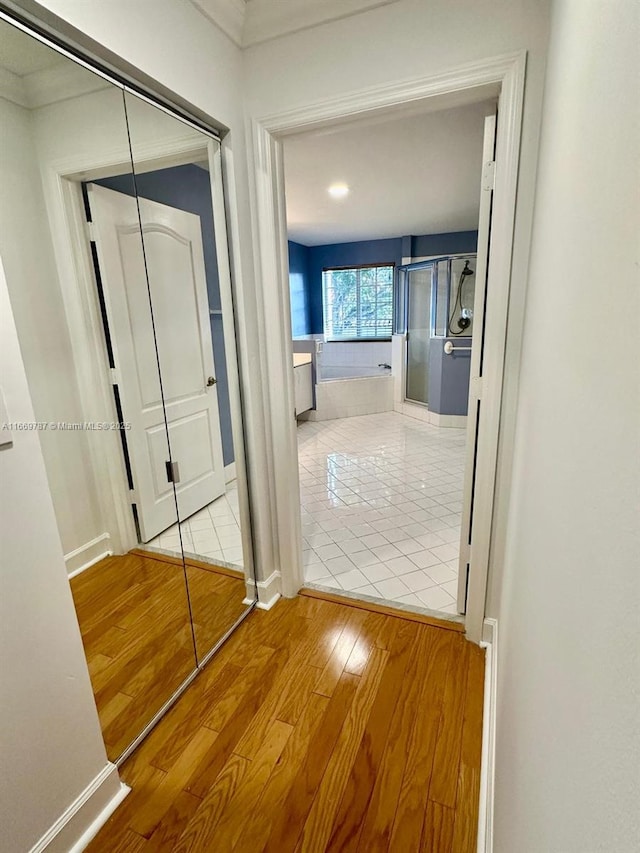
(115, 256)
(183, 230)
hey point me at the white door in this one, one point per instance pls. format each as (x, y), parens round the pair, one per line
(178, 322)
(467, 532)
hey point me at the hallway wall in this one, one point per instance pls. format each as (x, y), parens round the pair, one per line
(49, 731)
(568, 748)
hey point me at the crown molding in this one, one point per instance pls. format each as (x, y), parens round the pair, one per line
(61, 82)
(49, 86)
(266, 19)
(12, 88)
(249, 22)
(228, 15)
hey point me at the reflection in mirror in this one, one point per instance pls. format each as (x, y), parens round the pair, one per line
(184, 241)
(81, 303)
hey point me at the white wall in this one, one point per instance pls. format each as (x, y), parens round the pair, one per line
(51, 743)
(418, 39)
(26, 250)
(568, 739)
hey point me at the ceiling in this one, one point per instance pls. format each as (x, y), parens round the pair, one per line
(415, 174)
(22, 55)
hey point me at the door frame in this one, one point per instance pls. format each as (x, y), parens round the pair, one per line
(271, 263)
(71, 236)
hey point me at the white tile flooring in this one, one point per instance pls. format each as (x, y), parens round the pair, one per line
(212, 533)
(381, 503)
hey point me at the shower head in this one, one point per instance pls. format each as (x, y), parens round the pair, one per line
(467, 269)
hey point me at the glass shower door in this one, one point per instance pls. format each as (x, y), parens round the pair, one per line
(418, 295)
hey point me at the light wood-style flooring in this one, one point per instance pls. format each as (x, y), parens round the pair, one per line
(136, 630)
(317, 727)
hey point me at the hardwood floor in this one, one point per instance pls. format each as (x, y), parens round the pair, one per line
(136, 629)
(317, 727)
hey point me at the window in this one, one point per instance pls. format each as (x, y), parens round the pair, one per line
(358, 302)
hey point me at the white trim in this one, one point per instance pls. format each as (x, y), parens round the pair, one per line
(507, 161)
(80, 822)
(269, 591)
(12, 88)
(64, 81)
(229, 473)
(384, 98)
(422, 413)
(266, 20)
(88, 554)
(227, 15)
(229, 299)
(272, 282)
(41, 88)
(488, 760)
(274, 318)
(448, 421)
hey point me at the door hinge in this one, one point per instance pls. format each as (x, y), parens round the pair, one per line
(489, 175)
(173, 472)
(91, 230)
(113, 373)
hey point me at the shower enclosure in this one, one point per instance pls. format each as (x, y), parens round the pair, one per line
(435, 304)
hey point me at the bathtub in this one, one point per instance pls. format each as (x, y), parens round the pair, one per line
(359, 395)
(348, 380)
(349, 371)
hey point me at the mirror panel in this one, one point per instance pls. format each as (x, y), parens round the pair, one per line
(183, 224)
(80, 297)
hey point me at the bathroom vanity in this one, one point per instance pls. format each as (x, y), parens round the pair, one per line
(303, 382)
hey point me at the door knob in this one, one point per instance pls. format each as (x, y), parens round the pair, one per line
(211, 381)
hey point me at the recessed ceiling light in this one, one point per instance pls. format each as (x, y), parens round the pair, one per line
(338, 190)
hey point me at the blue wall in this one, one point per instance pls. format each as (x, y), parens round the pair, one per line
(454, 243)
(307, 262)
(300, 288)
(449, 377)
(188, 188)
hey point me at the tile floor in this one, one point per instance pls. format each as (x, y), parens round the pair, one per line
(213, 532)
(381, 502)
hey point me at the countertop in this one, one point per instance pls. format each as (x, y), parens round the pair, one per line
(300, 358)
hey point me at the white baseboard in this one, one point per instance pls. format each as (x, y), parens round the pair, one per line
(88, 554)
(79, 823)
(268, 591)
(413, 410)
(488, 761)
(422, 413)
(452, 421)
(229, 473)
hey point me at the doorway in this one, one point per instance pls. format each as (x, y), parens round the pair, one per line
(269, 134)
(381, 477)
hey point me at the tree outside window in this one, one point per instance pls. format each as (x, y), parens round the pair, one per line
(358, 302)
